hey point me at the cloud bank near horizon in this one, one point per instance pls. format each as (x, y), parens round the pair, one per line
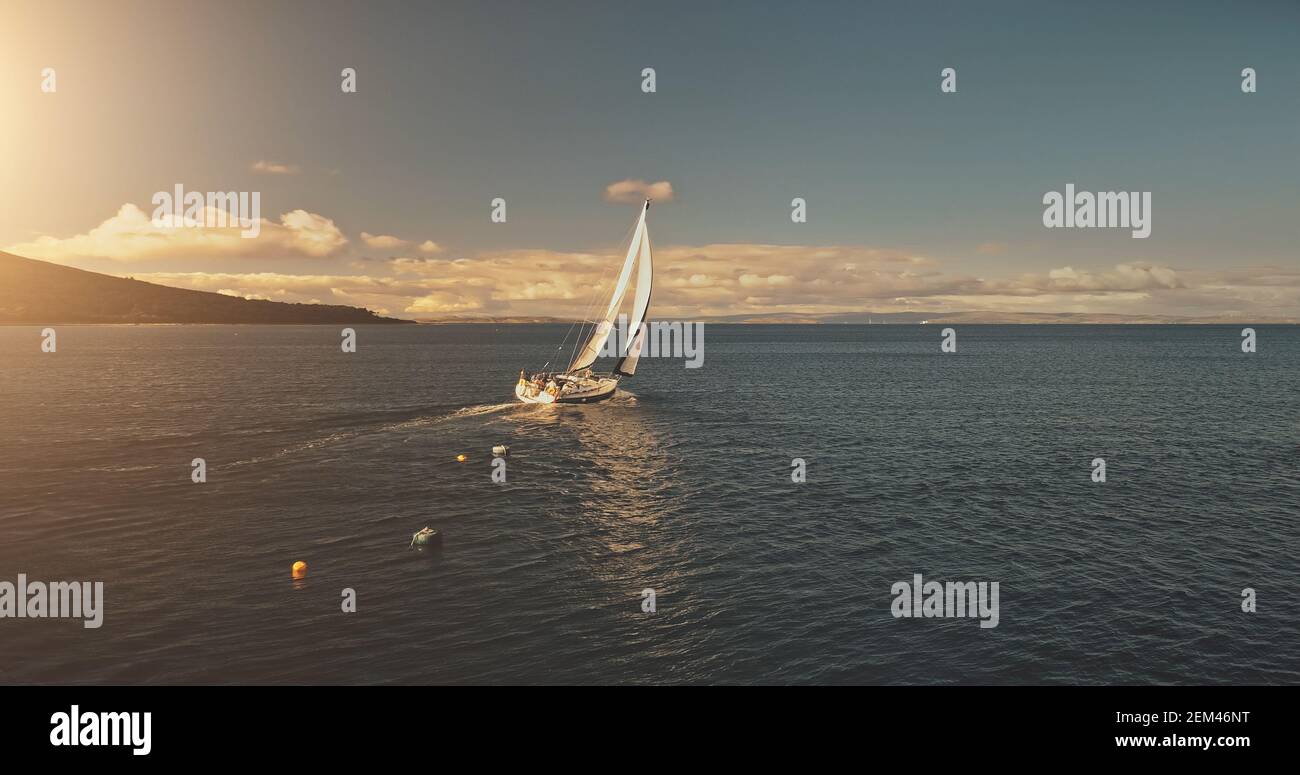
(419, 279)
(131, 235)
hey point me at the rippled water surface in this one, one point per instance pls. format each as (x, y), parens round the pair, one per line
(970, 466)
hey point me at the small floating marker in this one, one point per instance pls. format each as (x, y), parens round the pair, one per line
(299, 569)
(425, 538)
(501, 450)
(461, 458)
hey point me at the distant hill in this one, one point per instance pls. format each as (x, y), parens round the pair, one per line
(41, 293)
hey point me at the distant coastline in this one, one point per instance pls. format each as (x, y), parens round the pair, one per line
(40, 293)
(910, 318)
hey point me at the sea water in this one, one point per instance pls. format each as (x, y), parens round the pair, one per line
(972, 466)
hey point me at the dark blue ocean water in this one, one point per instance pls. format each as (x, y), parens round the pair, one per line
(965, 466)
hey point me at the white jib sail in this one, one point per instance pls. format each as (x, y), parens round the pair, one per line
(587, 355)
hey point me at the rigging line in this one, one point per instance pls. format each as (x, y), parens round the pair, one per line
(587, 311)
(590, 307)
(589, 314)
(626, 244)
(590, 317)
(563, 342)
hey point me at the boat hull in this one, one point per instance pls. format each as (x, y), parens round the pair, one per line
(530, 395)
(597, 390)
(592, 398)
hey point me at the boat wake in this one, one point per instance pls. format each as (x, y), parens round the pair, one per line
(414, 423)
(305, 446)
(482, 409)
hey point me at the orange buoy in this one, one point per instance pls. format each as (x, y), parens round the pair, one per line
(299, 569)
(460, 458)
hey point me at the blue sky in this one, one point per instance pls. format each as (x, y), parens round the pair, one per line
(540, 103)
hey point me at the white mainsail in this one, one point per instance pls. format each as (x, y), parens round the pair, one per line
(644, 278)
(587, 355)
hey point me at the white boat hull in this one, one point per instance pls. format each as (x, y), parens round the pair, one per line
(580, 391)
(530, 395)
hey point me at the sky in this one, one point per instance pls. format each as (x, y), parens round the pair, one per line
(916, 199)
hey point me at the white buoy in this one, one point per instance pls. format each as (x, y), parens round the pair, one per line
(501, 450)
(427, 537)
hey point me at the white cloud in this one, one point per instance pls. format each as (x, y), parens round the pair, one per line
(131, 235)
(313, 235)
(389, 242)
(1124, 277)
(383, 241)
(636, 191)
(274, 168)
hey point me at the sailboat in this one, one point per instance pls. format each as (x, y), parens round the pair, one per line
(578, 384)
